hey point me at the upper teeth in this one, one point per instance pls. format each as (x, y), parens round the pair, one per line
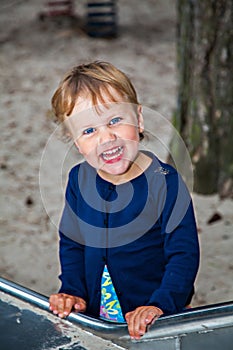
(112, 153)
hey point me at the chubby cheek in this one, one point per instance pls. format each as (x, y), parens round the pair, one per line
(86, 148)
(129, 133)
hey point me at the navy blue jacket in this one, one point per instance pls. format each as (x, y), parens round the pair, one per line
(144, 230)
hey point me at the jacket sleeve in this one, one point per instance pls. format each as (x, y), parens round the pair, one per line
(71, 251)
(181, 248)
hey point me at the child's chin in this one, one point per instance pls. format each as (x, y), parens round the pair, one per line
(114, 169)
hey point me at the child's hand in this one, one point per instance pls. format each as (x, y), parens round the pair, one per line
(140, 318)
(62, 304)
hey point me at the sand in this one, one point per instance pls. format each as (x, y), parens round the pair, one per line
(34, 55)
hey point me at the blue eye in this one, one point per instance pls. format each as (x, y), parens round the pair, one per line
(115, 120)
(88, 131)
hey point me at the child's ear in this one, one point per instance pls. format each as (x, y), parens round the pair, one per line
(140, 119)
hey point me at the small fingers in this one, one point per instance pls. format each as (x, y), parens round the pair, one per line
(80, 305)
(150, 317)
(68, 305)
(61, 304)
(139, 319)
(53, 303)
(136, 330)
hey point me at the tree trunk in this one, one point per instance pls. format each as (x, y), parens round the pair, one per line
(204, 115)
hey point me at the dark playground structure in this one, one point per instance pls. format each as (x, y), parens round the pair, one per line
(26, 323)
(100, 19)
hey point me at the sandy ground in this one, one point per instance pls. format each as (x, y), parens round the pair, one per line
(33, 58)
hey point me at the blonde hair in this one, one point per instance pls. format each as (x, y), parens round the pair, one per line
(96, 79)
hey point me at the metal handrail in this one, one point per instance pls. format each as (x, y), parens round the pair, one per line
(194, 320)
(42, 302)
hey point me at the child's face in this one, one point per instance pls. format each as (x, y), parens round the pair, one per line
(108, 137)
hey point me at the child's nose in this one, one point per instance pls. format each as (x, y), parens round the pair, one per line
(106, 135)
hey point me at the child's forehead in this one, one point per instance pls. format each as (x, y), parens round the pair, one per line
(88, 99)
(84, 107)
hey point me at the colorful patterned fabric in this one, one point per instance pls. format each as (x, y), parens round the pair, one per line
(110, 308)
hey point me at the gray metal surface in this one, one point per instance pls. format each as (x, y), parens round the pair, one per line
(209, 328)
(90, 323)
(24, 326)
(25, 329)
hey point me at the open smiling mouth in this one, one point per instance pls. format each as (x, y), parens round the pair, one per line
(112, 154)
